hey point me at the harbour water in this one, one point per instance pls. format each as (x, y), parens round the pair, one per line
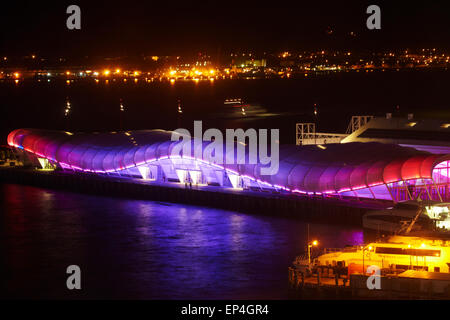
(153, 250)
(275, 103)
(147, 250)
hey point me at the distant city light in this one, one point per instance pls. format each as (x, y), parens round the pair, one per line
(249, 65)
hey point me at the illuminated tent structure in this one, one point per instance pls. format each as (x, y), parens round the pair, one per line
(362, 170)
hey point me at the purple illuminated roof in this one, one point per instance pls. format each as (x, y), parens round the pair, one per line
(335, 168)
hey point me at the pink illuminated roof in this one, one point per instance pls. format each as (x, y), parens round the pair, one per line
(335, 168)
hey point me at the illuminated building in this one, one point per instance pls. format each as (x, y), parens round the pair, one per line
(351, 170)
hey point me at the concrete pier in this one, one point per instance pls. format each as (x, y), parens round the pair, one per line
(264, 203)
(407, 285)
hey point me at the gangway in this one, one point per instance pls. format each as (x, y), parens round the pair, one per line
(305, 133)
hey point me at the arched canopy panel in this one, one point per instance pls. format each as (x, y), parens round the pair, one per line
(312, 179)
(52, 147)
(130, 156)
(119, 157)
(77, 156)
(327, 181)
(426, 169)
(342, 178)
(281, 178)
(358, 178)
(375, 173)
(411, 168)
(97, 161)
(88, 158)
(108, 160)
(393, 171)
(297, 176)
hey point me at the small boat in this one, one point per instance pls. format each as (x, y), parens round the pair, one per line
(234, 102)
(237, 103)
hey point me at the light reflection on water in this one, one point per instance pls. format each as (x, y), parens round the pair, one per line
(147, 250)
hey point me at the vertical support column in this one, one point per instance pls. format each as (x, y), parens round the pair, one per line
(390, 192)
(428, 192)
(373, 194)
(437, 189)
(407, 190)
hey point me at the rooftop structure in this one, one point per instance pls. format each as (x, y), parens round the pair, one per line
(427, 135)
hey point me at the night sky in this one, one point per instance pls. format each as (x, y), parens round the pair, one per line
(129, 27)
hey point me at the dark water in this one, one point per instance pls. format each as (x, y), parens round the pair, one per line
(146, 250)
(275, 103)
(142, 249)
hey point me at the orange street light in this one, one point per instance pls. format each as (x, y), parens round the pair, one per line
(310, 245)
